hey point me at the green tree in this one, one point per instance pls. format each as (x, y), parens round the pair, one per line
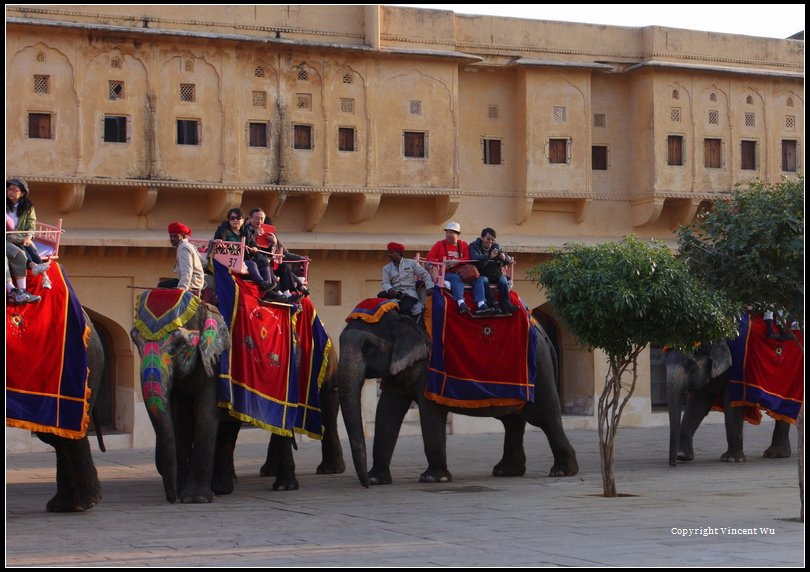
(752, 249)
(620, 297)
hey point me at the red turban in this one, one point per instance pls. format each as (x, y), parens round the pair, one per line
(396, 246)
(179, 228)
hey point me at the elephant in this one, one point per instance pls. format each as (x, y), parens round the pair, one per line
(704, 375)
(77, 485)
(396, 349)
(196, 439)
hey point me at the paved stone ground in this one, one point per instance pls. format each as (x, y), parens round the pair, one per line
(475, 521)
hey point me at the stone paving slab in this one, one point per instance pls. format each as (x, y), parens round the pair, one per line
(475, 521)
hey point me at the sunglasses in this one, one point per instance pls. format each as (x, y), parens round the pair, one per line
(235, 218)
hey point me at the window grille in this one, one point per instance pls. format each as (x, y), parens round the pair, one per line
(347, 105)
(258, 71)
(712, 96)
(259, 99)
(115, 90)
(750, 120)
(714, 117)
(790, 121)
(42, 84)
(303, 75)
(187, 92)
(675, 114)
(304, 101)
(599, 120)
(675, 94)
(188, 65)
(559, 114)
(415, 107)
(41, 57)
(347, 78)
(493, 112)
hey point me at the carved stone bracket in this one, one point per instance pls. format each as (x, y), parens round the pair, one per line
(444, 207)
(523, 209)
(316, 204)
(681, 211)
(363, 206)
(573, 205)
(71, 197)
(646, 210)
(220, 201)
(273, 201)
(145, 199)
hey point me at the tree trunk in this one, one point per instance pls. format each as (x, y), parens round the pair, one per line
(609, 413)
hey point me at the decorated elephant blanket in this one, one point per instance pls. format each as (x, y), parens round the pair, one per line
(259, 376)
(480, 362)
(314, 346)
(767, 373)
(46, 360)
(371, 310)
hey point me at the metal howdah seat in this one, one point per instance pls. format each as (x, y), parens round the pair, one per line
(232, 256)
(46, 239)
(437, 269)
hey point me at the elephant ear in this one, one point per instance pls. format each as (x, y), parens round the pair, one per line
(410, 346)
(721, 358)
(215, 338)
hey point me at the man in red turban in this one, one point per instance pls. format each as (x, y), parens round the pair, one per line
(399, 281)
(188, 265)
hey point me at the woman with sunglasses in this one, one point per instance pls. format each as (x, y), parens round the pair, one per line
(232, 230)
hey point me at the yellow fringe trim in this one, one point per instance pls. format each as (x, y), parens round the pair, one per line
(183, 318)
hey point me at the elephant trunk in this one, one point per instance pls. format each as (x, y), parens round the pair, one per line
(677, 384)
(351, 376)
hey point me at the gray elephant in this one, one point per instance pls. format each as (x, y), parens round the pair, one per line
(196, 439)
(396, 349)
(704, 375)
(77, 484)
(179, 365)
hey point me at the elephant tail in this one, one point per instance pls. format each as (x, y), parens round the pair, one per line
(97, 427)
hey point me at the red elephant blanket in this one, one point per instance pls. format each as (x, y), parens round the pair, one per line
(480, 362)
(767, 373)
(260, 380)
(46, 360)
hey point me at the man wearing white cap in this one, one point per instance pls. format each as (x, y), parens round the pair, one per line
(453, 248)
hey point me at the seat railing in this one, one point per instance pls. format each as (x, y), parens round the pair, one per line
(46, 239)
(437, 269)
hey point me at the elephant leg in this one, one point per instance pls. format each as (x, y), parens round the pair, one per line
(270, 467)
(183, 423)
(433, 419)
(77, 485)
(734, 418)
(224, 477)
(391, 410)
(331, 452)
(205, 424)
(165, 449)
(285, 476)
(513, 463)
(698, 404)
(780, 442)
(545, 414)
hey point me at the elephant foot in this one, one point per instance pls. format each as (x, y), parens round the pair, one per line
(331, 468)
(684, 456)
(567, 468)
(436, 476)
(775, 452)
(379, 477)
(267, 471)
(729, 457)
(197, 497)
(289, 484)
(505, 469)
(223, 484)
(67, 504)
